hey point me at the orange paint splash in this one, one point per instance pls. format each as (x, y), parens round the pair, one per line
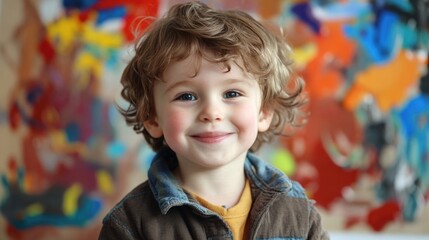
(323, 74)
(387, 83)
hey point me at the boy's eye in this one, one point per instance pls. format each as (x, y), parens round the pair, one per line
(186, 97)
(231, 94)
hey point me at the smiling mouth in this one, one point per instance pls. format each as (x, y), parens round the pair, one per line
(210, 137)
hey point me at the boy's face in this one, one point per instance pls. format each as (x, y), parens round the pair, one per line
(211, 119)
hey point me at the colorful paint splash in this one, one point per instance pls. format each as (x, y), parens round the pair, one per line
(73, 155)
(368, 119)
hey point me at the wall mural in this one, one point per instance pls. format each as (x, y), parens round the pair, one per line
(363, 155)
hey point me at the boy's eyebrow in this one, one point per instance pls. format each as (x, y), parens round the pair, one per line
(172, 86)
(186, 82)
(238, 80)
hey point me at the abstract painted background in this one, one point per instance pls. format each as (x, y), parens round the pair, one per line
(66, 156)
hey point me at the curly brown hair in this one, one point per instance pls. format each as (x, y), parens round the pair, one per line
(194, 28)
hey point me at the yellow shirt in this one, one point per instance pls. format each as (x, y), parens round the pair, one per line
(235, 216)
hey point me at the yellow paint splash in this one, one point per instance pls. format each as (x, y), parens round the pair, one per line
(59, 143)
(71, 198)
(64, 32)
(304, 54)
(105, 183)
(101, 39)
(284, 161)
(34, 210)
(87, 66)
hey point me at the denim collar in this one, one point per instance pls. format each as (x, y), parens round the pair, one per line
(168, 193)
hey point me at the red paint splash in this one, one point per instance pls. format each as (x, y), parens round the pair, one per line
(327, 183)
(380, 216)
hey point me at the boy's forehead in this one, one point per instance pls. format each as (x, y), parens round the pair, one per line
(189, 67)
(192, 65)
(185, 68)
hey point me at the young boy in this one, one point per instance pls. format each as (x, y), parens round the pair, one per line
(206, 88)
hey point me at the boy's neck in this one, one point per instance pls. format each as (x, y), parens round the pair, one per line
(221, 186)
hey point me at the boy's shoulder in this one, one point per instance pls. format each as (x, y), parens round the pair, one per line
(265, 174)
(297, 190)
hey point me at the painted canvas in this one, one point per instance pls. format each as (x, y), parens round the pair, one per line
(67, 156)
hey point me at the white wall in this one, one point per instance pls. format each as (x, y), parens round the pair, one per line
(368, 236)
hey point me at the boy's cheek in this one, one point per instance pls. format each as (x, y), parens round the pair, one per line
(175, 122)
(245, 118)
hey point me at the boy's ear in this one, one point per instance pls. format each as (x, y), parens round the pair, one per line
(153, 128)
(265, 118)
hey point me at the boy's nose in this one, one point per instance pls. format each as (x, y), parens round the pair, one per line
(211, 112)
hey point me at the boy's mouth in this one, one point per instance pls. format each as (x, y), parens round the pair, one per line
(211, 137)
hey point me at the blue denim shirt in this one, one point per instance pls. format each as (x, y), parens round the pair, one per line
(168, 192)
